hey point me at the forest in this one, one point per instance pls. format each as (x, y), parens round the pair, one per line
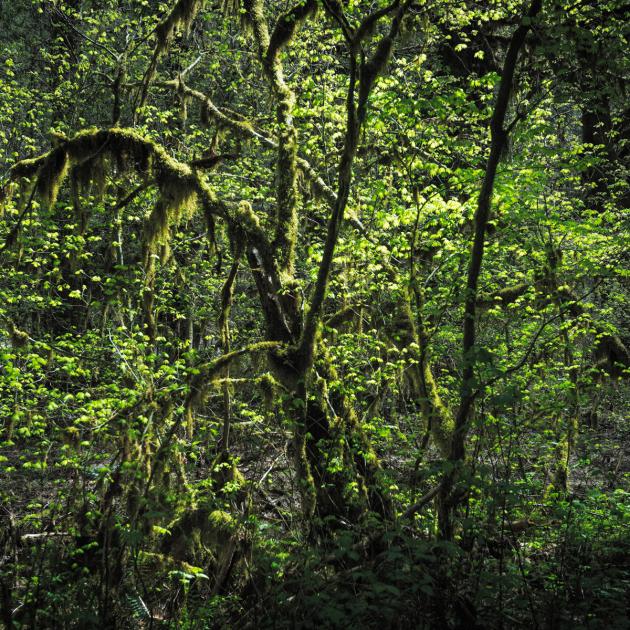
(314, 314)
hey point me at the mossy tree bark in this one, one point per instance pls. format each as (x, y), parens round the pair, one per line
(321, 423)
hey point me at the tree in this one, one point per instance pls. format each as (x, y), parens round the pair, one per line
(306, 291)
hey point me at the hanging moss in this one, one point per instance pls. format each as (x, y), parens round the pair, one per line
(98, 176)
(255, 22)
(178, 200)
(89, 152)
(51, 176)
(183, 100)
(179, 19)
(181, 189)
(148, 295)
(79, 180)
(130, 150)
(177, 190)
(230, 7)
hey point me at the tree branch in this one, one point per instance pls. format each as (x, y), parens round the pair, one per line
(498, 140)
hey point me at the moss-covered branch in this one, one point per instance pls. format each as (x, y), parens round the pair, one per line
(503, 297)
(245, 129)
(204, 375)
(611, 354)
(181, 189)
(240, 127)
(286, 27)
(270, 48)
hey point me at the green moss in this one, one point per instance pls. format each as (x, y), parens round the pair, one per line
(51, 176)
(29, 167)
(305, 479)
(179, 19)
(287, 193)
(178, 200)
(561, 467)
(503, 297)
(230, 7)
(562, 454)
(200, 529)
(440, 419)
(155, 563)
(268, 386)
(89, 153)
(286, 173)
(436, 416)
(183, 98)
(78, 178)
(287, 25)
(254, 17)
(207, 374)
(18, 337)
(221, 521)
(6, 195)
(247, 216)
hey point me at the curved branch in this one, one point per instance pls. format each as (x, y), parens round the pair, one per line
(418, 505)
(181, 186)
(245, 129)
(205, 374)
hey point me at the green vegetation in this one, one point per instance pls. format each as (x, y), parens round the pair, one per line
(314, 314)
